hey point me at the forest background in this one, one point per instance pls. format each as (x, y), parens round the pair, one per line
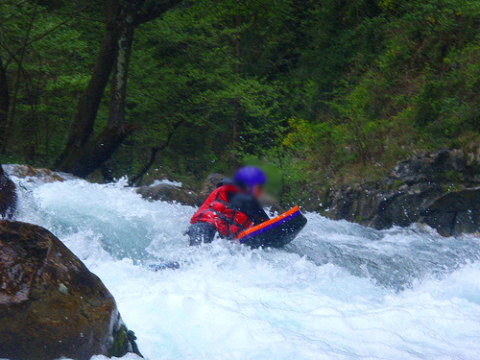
(317, 92)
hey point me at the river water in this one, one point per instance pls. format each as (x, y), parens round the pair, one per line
(339, 291)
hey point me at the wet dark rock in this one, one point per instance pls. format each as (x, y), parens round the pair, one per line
(51, 305)
(171, 193)
(211, 183)
(8, 196)
(440, 189)
(441, 166)
(454, 213)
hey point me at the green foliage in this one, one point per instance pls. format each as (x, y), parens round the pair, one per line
(46, 75)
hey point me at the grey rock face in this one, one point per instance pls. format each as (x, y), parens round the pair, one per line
(440, 189)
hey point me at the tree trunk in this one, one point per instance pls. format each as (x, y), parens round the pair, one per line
(97, 151)
(82, 126)
(89, 155)
(118, 87)
(4, 104)
(83, 155)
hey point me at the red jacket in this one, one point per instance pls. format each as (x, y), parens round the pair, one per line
(216, 211)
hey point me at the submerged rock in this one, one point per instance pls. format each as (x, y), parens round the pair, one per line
(51, 305)
(8, 196)
(440, 189)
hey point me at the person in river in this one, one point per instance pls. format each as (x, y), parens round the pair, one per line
(231, 208)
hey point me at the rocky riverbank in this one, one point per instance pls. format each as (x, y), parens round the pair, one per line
(440, 189)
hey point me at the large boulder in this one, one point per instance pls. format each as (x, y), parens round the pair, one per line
(51, 305)
(440, 189)
(8, 196)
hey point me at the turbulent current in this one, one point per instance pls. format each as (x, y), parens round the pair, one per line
(339, 291)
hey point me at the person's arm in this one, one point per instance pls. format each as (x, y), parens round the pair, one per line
(248, 205)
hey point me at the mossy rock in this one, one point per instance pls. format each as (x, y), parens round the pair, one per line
(123, 342)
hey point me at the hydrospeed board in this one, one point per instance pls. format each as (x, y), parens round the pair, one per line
(276, 232)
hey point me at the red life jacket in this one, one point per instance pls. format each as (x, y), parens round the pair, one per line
(216, 211)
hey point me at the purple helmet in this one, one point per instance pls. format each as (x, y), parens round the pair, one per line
(250, 176)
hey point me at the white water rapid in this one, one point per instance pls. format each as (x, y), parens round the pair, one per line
(339, 291)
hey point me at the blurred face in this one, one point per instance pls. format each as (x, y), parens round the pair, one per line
(257, 191)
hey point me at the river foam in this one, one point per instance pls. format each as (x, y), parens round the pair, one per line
(339, 291)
